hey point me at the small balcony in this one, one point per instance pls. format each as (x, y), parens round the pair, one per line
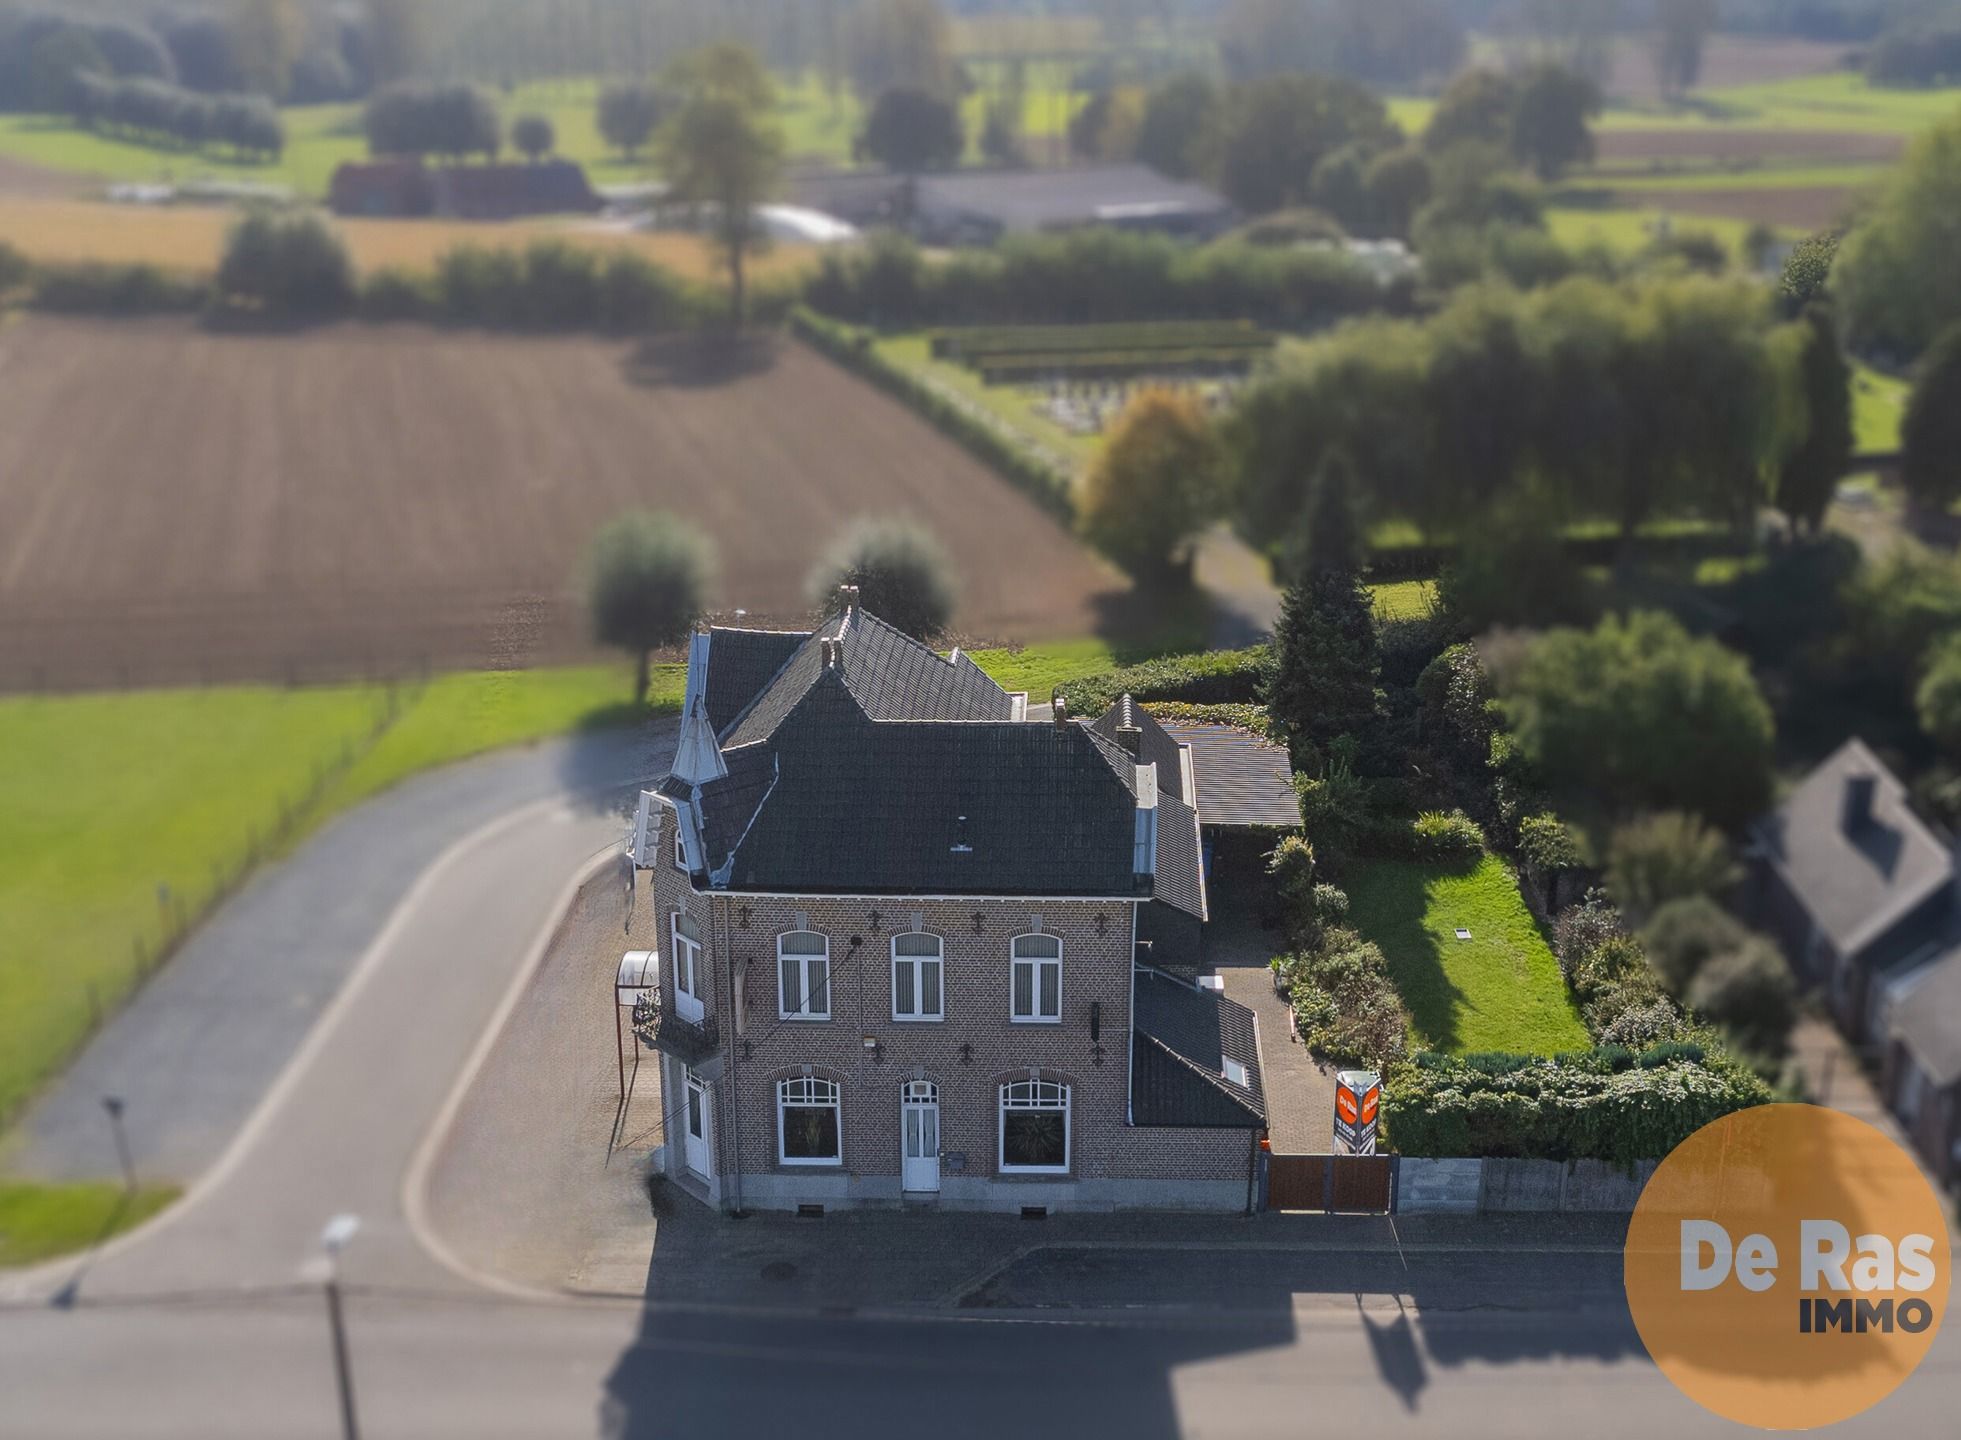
(689, 1041)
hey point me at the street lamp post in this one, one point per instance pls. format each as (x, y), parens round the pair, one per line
(333, 1240)
(114, 1105)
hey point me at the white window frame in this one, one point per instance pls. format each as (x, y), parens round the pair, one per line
(809, 1092)
(686, 951)
(1036, 964)
(1026, 1095)
(680, 850)
(917, 964)
(803, 962)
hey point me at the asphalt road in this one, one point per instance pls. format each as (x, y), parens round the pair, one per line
(203, 1325)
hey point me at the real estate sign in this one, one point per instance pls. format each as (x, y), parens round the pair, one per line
(1358, 1096)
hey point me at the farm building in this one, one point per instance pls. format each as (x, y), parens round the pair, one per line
(407, 187)
(969, 207)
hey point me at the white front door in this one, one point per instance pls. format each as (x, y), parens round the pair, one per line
(697, 1125)
(919, 1125)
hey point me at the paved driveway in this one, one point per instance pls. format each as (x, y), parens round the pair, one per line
(1300, 1090)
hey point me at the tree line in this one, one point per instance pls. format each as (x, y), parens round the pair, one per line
(151, 110)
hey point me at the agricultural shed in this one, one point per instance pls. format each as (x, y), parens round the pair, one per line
(980, 206)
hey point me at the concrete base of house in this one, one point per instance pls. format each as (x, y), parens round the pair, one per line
(974, 1193)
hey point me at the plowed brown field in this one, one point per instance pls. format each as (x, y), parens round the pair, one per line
(177, 505)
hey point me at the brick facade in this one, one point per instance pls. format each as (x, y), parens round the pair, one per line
(968, 1055)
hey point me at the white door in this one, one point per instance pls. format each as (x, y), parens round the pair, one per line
(697, 1124)
(919, 1124)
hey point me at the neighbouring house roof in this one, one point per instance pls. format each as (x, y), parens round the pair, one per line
(495, 192)
(1023, 200)
(1855, 881)
(1181, 1038)
(1243, 781)
(1927, 1018)
(859, 761)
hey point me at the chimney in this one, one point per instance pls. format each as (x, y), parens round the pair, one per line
(824, 653)
(1855, 809)
(1061, 710)
(847, 597)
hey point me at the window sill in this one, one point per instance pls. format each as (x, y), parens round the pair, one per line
(816, 1018)
(919, 1019)
(812, 1164)
(1034, 1019)
(1015, 1172)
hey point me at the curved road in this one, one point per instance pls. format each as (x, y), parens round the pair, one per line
(201, 1325)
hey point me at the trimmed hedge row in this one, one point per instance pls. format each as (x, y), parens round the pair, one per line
(90, 287)
(854, 350)
(1218, 677)
(1421, 561)
(1573, 1107)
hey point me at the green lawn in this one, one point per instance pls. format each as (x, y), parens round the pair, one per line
(106, 798)
(1627, 230)
(1755, 177)
(38, 1222)
(1404, 599)
(1879, 404)
(1499, 990)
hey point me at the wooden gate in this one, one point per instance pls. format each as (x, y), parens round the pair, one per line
(1339, 1184)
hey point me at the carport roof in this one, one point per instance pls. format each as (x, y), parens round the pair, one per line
(1242, 780)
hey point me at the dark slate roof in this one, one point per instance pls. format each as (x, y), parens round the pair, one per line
(1927, 1018)
(1155, 745)
(1180, 1040)
(1241, 779)
(1856, 885)
(740, 664)
(1041, 199)
(1180, 878)
(891, 675)
(859, 806)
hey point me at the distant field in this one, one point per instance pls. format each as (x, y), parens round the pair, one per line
(1879, 404)
(1630, 229)
(177, 504)
(191, 238)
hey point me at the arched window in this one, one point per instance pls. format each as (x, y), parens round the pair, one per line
(918, 975)
(808, 1128)
(1037, 990)
(1035, 1127)
(803, 968)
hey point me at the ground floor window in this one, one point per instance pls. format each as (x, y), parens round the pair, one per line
(1035, 1127)
(807, 1122)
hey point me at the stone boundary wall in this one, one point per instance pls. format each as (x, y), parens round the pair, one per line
(1494, 1187)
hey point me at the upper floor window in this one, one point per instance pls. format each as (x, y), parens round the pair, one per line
(918, 973)
(803, 968)
(1035, 1127)
(808, 1132)
(1037, 996)
(687, 968)
(680, 851)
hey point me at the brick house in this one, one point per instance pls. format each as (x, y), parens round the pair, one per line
(899, 926)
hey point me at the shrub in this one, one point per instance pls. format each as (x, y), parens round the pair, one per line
(1345, 1006)
(13, 268)
(1664, 857)
(1290, 866)
(1253, 719)
(561, 286)
(1456, 696)
(1936, 700)
(1684, 935)
(636, 296)
(1641, 1025)
(1616, 961)
(903, 575)
(481, 285)
(1214, 677)
(1749, 992)
(396, 293)
(1583, 928)
(1563, 1109)
(287, 265)
(1671, 1051)
(1437, 836)
(94, 288)
(1546, 843)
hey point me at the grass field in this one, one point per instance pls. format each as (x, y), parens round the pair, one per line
(1404, 599)
(1499, 990)
(107, 798)
(1632, 229)
(191, 238)
(38, 1222)
(1879, 404)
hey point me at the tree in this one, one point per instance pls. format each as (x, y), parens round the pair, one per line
(902, 573)
(1684, 935)
(533, 136)
(1757, 245)
(1000, 137)
(398, 39)
(1321, 674)
(1684, 26)
(200, 47)
(1808, 270)
(418, 118)
(1811, 471)
(1154, 486)
(287, 265)
(910, 130)
(1663, 857)
(1398, 185)
(1749, 992)
(1638, 715)
(1277, 130)
(1180, 127)
(721, 149)
(55, 66)
(1106, 127)
(133, 51)
(1895, 278)
(646, 576)
(1930, 435)
(628, 115)
(1937, 700)
(266, 37)
(1476, 108)
(894, 43)
(1551, 119)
